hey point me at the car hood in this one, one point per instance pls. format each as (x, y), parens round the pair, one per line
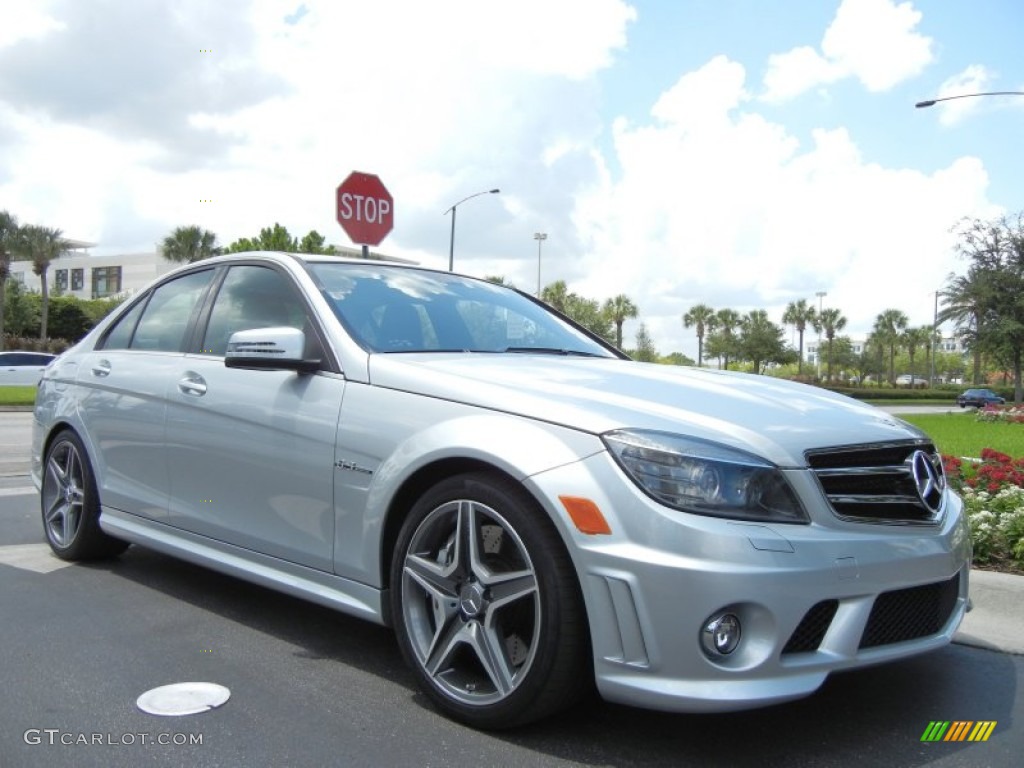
(777, 419)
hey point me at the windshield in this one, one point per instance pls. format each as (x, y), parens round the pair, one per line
(395, 309)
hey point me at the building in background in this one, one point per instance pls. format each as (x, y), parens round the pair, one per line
(77, 273)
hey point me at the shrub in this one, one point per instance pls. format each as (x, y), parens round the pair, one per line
(993, 494)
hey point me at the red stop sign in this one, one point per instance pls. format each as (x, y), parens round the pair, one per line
(365, 209)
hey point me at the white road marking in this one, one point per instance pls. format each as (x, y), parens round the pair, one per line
(31, 557)
(23, 490)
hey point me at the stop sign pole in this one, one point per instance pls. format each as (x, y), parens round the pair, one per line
(365, 209)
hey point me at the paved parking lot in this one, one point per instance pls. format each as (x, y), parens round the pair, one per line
(313, 687)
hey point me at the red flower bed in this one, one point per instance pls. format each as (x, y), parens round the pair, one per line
(995, 470)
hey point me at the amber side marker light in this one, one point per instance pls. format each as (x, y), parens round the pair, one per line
(585, 515)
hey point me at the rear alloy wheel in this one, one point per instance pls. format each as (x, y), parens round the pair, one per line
(71, 505)
(486, 604)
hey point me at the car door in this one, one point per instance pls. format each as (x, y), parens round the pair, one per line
(251, 452)
(122, 389)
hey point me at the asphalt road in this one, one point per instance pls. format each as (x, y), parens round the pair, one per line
(311, 687)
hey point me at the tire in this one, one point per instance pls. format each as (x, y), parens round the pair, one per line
(71, 505)
(492, 623)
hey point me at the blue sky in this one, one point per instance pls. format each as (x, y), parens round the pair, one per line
(738, 153)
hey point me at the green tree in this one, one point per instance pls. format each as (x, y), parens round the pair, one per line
(314, 242)
(676, 358)
(21, 309)
(42, 245)
(996, 252)
(702, 318)
(645, 351)
(618, 309)
(497, 280)
(722, 342)
(913, 340)
(186, 245)
(588, 313)
(842, 356)
(10, 233)
(799, 314)
(829, 322)
(888, 331)
(762, 341)
(555, 295)
(278, 238)
(964, 303)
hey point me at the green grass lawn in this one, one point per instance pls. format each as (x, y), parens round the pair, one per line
(958, 434)
(17, 395)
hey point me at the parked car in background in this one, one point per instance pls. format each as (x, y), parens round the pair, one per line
(916, 382)
(530, 510)
(24, 369)
(979, 398)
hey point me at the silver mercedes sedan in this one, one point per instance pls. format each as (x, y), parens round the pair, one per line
(532, 512)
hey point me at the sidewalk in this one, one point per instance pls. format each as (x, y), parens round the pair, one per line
(997, 620)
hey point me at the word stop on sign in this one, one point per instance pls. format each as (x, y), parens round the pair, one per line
(373, 210)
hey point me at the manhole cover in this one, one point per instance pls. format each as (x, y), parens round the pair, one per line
(182, 699)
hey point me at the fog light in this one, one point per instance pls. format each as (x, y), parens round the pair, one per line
(721, 635)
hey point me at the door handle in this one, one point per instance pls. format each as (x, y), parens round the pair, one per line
(192, 384)
(101, 368)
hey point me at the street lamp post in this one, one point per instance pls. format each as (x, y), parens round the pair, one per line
(933, 102)
(817, 357)
(540, 237)
(934, 346)
(451, 240)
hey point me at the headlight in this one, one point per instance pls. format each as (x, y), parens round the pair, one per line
(705, 478)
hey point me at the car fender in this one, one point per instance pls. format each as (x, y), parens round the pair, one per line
(436, 434)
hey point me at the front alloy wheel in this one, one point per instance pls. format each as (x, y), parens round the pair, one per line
(486, 604)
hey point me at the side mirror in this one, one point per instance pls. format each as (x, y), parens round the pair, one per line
(269, 349)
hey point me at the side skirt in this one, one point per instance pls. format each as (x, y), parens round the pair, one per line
(325, 589)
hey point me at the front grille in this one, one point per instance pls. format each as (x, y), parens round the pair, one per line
(907, 614)
(891, 483)
(812, 628)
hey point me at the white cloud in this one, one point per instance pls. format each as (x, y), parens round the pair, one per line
(705, 200)
(438, 104)
(735, 213)
(796, 71)
(22, 21)
(974, 79)
(872, 40)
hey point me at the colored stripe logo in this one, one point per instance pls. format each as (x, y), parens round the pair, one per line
(958, 730)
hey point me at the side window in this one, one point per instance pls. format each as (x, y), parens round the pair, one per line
(252, 297)
(164, 321)
(120, 333)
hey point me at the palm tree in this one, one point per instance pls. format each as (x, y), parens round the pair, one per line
(799, 314)
(889, 327)
(618, 309)
(42, 245)
(189, 244)
(9, 234)
(726, 323)
(556, 295)
(964, 303)
(913, 339)
(702, 317)
(830, 322)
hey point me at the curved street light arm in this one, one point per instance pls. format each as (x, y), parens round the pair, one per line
(452, 211)
(470, 197)
(931, 102)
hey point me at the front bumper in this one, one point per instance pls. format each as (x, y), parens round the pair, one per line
(808, 597)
